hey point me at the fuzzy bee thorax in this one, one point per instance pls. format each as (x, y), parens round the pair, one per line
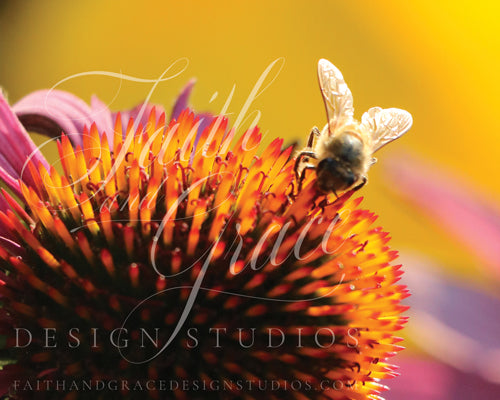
(345, 147)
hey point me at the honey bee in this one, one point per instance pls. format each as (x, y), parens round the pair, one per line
(343, 151)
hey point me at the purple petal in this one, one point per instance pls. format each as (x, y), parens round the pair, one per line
(16, 149)
(182, 103)
(453, 321)
(183, 99)
(452, 205)
(51, 112)
(206, 119)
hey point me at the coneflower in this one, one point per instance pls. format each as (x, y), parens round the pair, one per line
(181, 263)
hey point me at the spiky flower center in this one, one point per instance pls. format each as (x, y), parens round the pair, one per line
(178, 255)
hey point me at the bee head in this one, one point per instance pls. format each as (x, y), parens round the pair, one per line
(333, 176)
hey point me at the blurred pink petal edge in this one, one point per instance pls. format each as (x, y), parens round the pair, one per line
(454, 323)
(457, 329)
(454, 206)
(452, 320)
(427, 379)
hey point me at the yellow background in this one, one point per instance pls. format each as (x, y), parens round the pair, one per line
(439, 60)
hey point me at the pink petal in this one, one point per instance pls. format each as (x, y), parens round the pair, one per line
(420, 379)
(430, 380)
(453, 206)
(16, 149)
(452, 320)
(51, 112)
(6, 167)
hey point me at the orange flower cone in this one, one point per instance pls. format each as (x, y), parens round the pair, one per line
(179, 256)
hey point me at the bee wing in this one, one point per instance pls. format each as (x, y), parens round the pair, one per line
(336, 94)
(385, 125)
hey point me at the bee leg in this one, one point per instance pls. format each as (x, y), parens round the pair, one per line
(373, 161)
(364, 179)
(302, 154)
(303, 175)
(314, 132)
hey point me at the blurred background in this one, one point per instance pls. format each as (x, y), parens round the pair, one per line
(437, 189)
